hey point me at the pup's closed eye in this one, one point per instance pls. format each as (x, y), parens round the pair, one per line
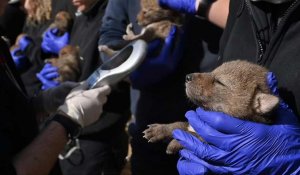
(219, 82)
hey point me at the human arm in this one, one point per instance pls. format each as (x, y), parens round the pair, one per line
(83, 107)
(237, 146)
(20, 59)
(217, 13)
(18, 52)
(161, 60)
(47, 101)
(114, 24)
(40, 156)
(53, 92)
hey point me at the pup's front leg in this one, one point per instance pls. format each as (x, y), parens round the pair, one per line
(106, 50)
(129, 33)
(157, 132)
(147, 34)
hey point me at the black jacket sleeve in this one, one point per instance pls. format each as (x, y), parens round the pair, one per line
(6, 166)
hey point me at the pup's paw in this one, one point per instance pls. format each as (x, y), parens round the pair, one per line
(156, 132)
(106, 50)
(129, 29)
(173, 147)
(130, 37)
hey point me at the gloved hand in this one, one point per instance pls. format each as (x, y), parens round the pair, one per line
(47, 76)
(24, 42)
(157, 67)
(49, 100)
(19, 58)
(52, 43)
(236, 146)
(183, 6)
(85, 106)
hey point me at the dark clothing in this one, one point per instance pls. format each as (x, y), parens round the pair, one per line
(12, 21)
(103, 144)
(165, 101)
(85, 34)
(18, 125)
(34, 52)
(269, 38)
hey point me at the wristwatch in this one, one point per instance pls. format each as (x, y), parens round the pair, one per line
(73, 129)
(203, 8)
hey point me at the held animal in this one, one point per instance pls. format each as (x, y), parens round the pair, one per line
(237, 88)
(63, 22)
(155, 21)
(68, 63)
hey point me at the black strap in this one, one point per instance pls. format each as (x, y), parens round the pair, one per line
(73, 129)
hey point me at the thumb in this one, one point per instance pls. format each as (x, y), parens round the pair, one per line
(104, 90)
(272, 82)
(54, 31)
(66, 36)
(172, 35)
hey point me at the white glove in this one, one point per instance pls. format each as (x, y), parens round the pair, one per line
(85, 106)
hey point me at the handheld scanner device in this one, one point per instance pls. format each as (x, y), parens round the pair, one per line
(120, 65)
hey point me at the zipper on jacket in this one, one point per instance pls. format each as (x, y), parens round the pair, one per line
(257, 36)
(278, 24)
(286, 13)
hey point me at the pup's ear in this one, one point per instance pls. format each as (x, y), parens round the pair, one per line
(264, 103)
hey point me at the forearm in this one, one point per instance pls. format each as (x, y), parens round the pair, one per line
(218, 12)
(40, 156)
(114, 24)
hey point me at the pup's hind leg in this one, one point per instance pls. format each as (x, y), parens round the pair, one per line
(174, 146)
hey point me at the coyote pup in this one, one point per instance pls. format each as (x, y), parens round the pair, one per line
(237, 88)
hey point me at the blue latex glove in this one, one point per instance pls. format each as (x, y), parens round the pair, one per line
(156, 68)
(52, 43)
(24, 42)
(20, 60)
(236, 146)
(183, 6)
(47, 76)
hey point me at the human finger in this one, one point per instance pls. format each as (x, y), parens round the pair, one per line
(220, 121)
(202, 150)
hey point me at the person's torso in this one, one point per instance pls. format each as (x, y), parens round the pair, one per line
(18, 125)
(262, 41)
(85, 34)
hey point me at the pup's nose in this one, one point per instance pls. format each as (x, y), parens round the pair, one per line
(188, 78)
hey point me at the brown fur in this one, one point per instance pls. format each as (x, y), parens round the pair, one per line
(155, 21)
(63, 22)
(68, 63)
(238, 88)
